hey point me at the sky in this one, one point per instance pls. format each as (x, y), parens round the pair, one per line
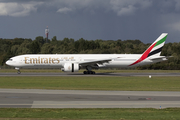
(144, 20)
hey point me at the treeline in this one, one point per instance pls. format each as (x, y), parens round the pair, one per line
(19, 46)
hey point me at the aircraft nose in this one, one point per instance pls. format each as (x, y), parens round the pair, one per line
(7, 62)
(10, 62)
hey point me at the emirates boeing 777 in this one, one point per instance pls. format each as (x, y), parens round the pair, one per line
(75, 62)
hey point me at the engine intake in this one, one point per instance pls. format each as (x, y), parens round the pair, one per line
(71, 67)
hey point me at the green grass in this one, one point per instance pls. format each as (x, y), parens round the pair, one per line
(93, 83)
(122, 114)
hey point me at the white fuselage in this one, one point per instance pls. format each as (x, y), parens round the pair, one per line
(58, 61)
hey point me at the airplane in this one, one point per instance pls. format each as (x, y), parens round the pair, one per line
(75, 62)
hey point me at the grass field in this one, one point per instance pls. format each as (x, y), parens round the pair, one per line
(121, 114)
(93, 83)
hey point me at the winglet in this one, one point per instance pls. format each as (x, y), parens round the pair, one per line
(155, 48)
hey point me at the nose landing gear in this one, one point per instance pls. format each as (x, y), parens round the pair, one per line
(18, 70)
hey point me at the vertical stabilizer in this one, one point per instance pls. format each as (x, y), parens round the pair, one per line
(157, 45)
(154, 50)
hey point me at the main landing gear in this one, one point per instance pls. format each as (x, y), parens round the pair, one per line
(18, 71)
(89, 72)
(89, 68)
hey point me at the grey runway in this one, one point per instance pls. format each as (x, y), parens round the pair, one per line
(34, 98)
(81, 74)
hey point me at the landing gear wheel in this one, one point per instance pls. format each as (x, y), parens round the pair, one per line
(85, 72)
(89, 72)
(18, 72)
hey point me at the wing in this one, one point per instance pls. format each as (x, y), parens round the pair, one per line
(95, 61)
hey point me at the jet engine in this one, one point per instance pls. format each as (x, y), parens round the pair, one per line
(70, 67)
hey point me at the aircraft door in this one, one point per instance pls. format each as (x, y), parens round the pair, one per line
(80, 59)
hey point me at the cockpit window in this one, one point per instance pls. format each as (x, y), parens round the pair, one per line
(10, 59)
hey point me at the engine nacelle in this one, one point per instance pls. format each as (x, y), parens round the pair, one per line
(71, 67)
